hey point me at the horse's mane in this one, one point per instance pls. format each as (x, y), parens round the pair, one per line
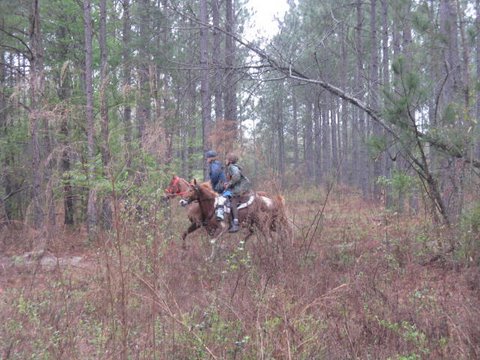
(184, 181)
(207, 187)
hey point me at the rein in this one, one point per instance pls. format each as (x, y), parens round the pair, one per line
(178, 192)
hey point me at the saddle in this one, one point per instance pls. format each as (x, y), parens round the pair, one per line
(244, 201)
(222, 204)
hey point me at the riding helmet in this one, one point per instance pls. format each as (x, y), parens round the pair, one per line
(211, 154)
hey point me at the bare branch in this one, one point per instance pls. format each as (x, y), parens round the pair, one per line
(291, 72)
(21, 41)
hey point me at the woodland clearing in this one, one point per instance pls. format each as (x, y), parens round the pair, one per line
(353, 283)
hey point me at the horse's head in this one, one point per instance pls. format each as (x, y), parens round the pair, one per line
(198, 192)
(192, 194)
(177, 187)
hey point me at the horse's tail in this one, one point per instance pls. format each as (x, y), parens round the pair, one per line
(274, 203)
(279, 201)
(282, 222)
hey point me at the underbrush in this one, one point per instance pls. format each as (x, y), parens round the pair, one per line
(353, 283)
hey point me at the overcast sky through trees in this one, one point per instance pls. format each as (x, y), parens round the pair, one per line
(264, 23)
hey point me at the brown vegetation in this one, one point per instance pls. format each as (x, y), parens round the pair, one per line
(350, 284)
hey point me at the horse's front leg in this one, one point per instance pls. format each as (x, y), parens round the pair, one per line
(241, 245)
(193, 226)
(216, 239)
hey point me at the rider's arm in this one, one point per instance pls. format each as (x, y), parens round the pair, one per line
(235, 174)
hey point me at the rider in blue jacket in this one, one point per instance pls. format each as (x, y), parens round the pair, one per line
(215, 171)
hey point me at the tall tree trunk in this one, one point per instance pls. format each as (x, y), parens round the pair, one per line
(360, 160)
(230, 81)
(127, 80)
(161, 91)
(396, 42)
(191, 127)
(317, 140)
(465, 58)
(377, 130)
(451, 178)
(143, 106)
(325, 140)
(104, 83)
(295, 130)
(68, 198)
(346, 154)
(36, 90)
(11, 185)
(334, 133)
(217, 56)
(204, 84)
(91, 204)
(386, 85)
(4, 215)
(106, 203)
(477, 68)
(281, 140)
(309, 155)
(64, 94)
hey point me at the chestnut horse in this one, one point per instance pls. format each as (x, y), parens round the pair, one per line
(180, 187)
(256, 212)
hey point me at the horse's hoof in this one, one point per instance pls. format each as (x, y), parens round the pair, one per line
(241, 246)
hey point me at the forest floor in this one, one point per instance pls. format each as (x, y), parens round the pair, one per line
(354, 282)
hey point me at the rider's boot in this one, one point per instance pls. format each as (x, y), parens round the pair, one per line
(220, 209)
(219, 213)
(235, 224)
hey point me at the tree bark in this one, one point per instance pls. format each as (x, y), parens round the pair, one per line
(127, 80)
(216, 57)
(106, 157)
(477, 68)
(4, 215)
(36, 90)
(325, 136)
(377, 130)
(230, 81)
(64, 94)
(281, 140)
(386, 84)
(309, 155)
(317, 140)
(359, 149)
(91, 203)
(346, 164)
(295, 130)
(205, 83)
(143, 105)
(334, 132)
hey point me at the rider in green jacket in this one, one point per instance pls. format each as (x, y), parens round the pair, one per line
(237, 185)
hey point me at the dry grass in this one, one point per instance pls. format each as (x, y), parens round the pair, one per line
(349, 285)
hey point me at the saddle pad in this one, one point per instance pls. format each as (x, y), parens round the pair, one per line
(248, 203)
(220, 201)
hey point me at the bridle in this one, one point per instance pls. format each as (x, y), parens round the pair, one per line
(175, 185)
